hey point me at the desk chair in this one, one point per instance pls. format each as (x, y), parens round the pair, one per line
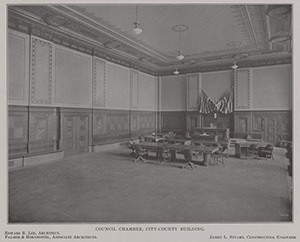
(163, 154)
(219, 156)
(252, 152)
(140, 153)
(267, 152)
(141, 139)
(132, 148)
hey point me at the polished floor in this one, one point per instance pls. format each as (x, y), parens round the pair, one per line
(108, 187)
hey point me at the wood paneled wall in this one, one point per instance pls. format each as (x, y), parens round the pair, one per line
(173, 121)
(266, 125)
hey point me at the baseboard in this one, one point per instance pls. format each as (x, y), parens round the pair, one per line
(34, 159)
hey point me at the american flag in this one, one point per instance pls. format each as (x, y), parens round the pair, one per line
(223, 105)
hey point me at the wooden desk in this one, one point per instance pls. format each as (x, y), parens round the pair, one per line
(246, 144)
(207, 152)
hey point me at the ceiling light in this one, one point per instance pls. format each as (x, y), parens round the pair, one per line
(136, 30)
(176, 72)
(180, 28)
(180, 56)
(234, 66)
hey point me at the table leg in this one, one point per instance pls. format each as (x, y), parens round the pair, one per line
(173, 155)
(238, 151)
(188, 158)
(206, 158)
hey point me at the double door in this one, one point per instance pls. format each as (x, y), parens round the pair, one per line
(75, 134)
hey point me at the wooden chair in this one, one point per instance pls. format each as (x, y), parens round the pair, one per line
(252, 152)
(132, 148)
(219, 157)
(140, 153)
(163, 154)
(283, 143)
(267, 152)
(141, 139)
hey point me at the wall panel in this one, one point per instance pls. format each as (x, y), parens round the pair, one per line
(117, 87)
(73, 78)
(215, 84)
(41, 72)
(173, 93)
(193, 120)
(99, 83)
(173, 121)
(146, 92)
(110, 126)
(242, 86)
(272, 88)
(193, 92)
(134, 89)
(43, 129)
(18, 68)
(142, 122)
(17, 130)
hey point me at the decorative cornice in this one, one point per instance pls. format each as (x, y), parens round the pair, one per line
(82, 34)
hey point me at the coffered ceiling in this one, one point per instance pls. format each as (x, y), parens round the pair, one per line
(215, 35)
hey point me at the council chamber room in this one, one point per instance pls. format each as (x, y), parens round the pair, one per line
(150, 113)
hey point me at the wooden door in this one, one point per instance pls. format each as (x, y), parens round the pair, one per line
(82, 134)
(270, 129)
(76, 134)
(69, 135)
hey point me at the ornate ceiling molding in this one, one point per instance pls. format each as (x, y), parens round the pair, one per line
(63, 25)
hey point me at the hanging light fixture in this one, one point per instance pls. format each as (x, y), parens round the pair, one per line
(176, 72)
(233, 45)
(234, 66)
(180, 28)
(136, 30)
(180, 55)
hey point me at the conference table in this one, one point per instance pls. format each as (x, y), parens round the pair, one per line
(187, 149)
(177, 141)
(152, 138)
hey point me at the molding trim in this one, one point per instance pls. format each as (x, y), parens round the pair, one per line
(193, 82)
(134, 89)
(36, 43)
(101, 84)
(237, 83)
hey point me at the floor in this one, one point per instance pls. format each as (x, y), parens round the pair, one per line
(109, 187)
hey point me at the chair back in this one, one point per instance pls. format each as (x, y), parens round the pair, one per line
(141, 139)
(253, 147)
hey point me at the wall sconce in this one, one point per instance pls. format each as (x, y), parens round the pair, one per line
(215, 115)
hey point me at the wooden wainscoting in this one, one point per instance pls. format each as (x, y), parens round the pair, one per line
(142, 123)
(193, 120)
(110, 126)
(267, 125)
(174, 121)
(43, 129)
(17, 130)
